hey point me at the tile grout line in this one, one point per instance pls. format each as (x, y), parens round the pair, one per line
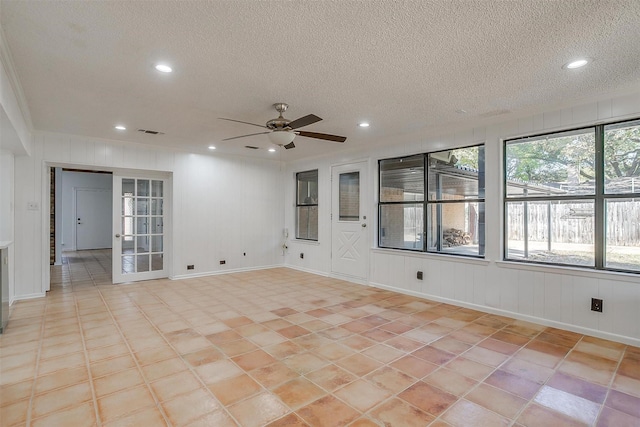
(131, 353)
(87, 363)
(37, 367)
(187, 364)
(613, 378)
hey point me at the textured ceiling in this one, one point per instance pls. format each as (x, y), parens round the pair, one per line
(404, 66)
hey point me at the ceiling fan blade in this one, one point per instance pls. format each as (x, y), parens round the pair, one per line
(240, 121)
(289, 146)
(243, 136)
(325, 136)
(304, 121)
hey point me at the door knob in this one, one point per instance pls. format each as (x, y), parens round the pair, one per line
(117, 235)
(364, 225)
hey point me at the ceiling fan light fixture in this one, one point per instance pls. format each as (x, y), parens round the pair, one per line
(281, 137)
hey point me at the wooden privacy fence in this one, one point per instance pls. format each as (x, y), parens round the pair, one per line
(573, 222)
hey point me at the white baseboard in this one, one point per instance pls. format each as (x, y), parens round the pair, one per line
(546, 322)
(215, 273)
(28, 296)
(307, 270)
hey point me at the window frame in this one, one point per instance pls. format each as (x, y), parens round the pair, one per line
(300, 204)
(427, 204)
(599, 198)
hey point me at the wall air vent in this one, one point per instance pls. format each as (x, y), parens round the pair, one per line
(151, 132)
(251, 147)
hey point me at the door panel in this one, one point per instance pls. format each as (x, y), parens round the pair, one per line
(139, 251)
(350, 236)
(93, 218)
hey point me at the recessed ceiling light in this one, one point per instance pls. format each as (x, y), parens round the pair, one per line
(363, 125)
(163, 68)
(120, 127)
(272, 150)
(211, 147)
(576, 64)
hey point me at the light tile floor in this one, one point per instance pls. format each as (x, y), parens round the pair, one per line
(285, 348)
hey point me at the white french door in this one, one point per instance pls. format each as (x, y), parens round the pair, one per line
(139, 213)
(349, 233)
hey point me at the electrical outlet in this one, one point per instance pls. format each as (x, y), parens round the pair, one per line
(419, 275)
(596, 305)
(190, 267)
(301, 255)
(222, 262)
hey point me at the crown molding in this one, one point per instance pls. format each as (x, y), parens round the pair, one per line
(7, 62)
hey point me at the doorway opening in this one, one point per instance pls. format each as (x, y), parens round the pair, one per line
(80, 242)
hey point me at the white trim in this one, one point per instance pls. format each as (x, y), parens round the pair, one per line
(217, 273)
(351, 279)
(307, 270)
(28, 296)
(306, 242)
(434, 256)
(514, 315)
(573, 271)
(45, 210)
(7, 61)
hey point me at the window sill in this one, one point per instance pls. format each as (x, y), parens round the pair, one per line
(429, 255)
(574, 271)
(306, 242)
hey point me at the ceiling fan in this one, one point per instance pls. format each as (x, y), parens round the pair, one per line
(282, 131)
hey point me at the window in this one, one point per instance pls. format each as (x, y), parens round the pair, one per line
(573, 198)
(307, 205)
(401, 208)
(453, 209)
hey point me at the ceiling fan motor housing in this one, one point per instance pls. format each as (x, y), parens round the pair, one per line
(280, 123)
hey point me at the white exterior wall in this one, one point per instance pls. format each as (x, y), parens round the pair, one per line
(215, 201)
(544, 294)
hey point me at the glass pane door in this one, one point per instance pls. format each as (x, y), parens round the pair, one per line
(139, 232)
(349, 196)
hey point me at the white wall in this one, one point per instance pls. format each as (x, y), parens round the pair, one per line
(544, 294)
(6, 211)
(222, 206)
(70, 181)
(6, 195)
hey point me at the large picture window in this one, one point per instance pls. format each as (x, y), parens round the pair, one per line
(452, 207)
(307, 205)
(573, 198)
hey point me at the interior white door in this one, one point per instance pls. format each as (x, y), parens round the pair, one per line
(138, 229)
(349, 232)
(93, 218)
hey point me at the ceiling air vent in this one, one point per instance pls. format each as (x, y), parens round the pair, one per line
(251, 147)
(495, 113)
(151, 132)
